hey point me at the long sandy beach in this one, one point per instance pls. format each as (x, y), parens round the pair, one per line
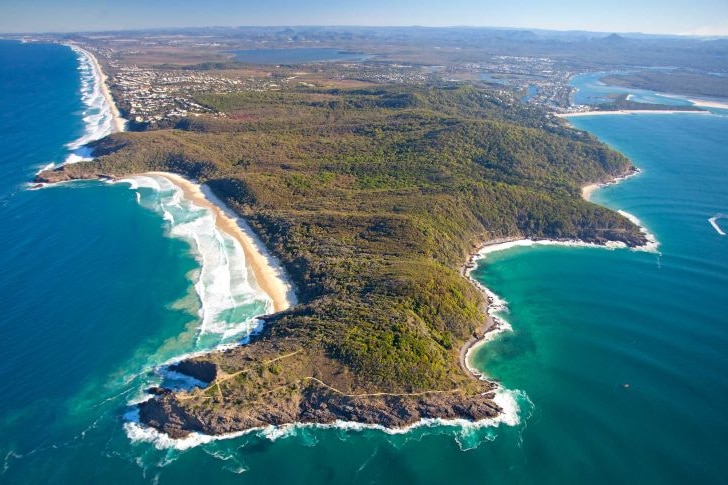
(268, 274)
(118, 123)
(629, 112)
(707, 103)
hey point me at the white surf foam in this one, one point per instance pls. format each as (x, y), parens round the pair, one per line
(271, 260)
(546, 242)
(508, 401)
(138, 433)
(714, 222)
(176, 380)
(48, 166)
(223, 283)
(497, 306)
(229, 301)
(621, 179)
(97, 115)
(652, 245)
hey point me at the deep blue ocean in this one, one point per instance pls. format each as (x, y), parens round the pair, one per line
(617, 358)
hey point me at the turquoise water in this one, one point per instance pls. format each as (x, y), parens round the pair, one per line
(100, 284)
(98, 289)
(590, 90)
(623, 353)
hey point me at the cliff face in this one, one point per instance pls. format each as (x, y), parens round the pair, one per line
(66, 173)
(311, 402)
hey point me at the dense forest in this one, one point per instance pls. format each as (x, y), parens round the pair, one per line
(373, 200)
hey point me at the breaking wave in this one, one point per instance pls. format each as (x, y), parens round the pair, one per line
(229, 302)
(468, 434)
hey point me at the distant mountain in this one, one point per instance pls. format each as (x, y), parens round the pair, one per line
(517, 35)
(615, 39)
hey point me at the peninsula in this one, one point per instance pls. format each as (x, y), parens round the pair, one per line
(372, 199)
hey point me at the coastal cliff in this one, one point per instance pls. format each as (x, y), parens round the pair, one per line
(309, 401)
(312, 403)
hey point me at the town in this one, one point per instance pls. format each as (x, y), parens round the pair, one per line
(154, 94)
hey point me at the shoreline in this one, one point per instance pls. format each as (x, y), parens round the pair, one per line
(706, 103)
(631, 112)
(507, 400)
(495, 324)
(588, 190)
(118, 124)
(268, 274)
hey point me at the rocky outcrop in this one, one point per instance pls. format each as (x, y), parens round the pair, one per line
(69, 172)
(312, 402)
(201, 370)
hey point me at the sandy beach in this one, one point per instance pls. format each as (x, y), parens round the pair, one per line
(268, 274)
(628, 112)
(587, 191)
(118, 123)
(705, 103)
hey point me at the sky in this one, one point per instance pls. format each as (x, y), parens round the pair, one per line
(694, 17)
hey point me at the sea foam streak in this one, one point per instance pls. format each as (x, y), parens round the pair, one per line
(714, 222)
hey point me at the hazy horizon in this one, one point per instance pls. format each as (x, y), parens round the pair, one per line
(351, 26)
(669, 17)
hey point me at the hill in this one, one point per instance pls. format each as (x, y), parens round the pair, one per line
(372, 200)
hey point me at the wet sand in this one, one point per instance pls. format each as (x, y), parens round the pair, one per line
(269, 275)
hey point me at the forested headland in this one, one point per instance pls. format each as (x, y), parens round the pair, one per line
(372, 199)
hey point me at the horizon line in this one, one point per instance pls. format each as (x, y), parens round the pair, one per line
(414, 26)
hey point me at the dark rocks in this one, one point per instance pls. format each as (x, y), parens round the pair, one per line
(66, 173)
(202, 370)
(165, 415)
(313, 403)
(158, 391)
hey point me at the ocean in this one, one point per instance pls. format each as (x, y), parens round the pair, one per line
(616, 358)
(592, 91)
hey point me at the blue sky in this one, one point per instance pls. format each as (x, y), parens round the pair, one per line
(701, 17)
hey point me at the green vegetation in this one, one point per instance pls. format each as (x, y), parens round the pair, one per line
(372, 200)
